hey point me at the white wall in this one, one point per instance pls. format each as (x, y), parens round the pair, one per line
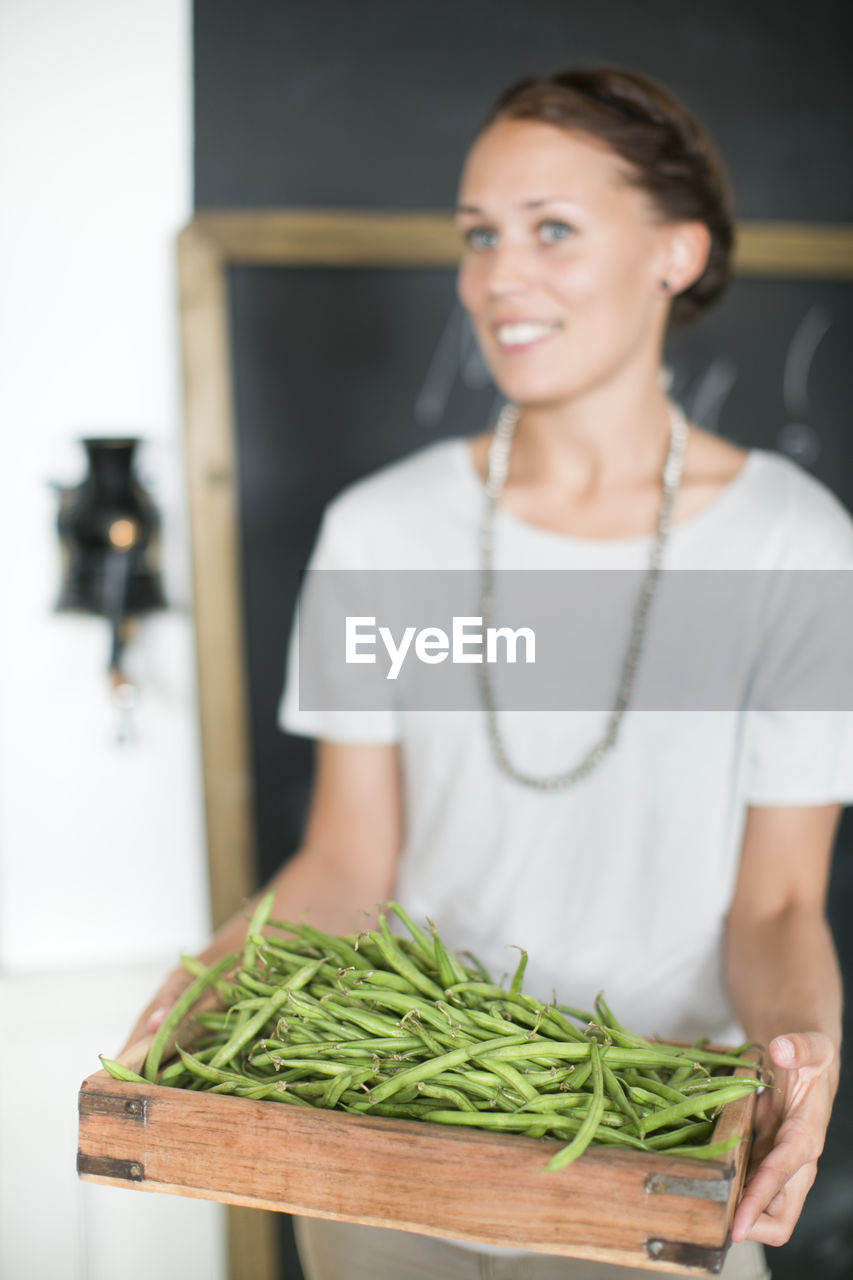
(102, 878)
(101, 848)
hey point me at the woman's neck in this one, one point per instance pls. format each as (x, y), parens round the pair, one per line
(603, 441)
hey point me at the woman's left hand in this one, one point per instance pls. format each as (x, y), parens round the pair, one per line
(790, 1127)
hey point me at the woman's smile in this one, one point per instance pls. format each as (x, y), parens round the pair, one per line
(517, 336)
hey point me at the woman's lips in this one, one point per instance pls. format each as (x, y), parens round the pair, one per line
(520, 335)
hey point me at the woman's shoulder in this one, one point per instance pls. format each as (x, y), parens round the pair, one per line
(807, 517)
(411, 482)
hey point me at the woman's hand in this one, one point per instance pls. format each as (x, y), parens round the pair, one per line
(790, 1128)
(155, 1012)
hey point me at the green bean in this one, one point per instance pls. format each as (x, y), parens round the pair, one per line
(553, 1079)
(518, 976)
(445, 1062)
(645, 1098)
(618, 1057)
(271, 949)
(317, 1049)
(120, 1072)
(704, 1057)
(354, 1012)
(446, 1094)
(197, 968)
(393, 1025)
(243, 1035)
(518, 1121)
(586, 1133)
(208, 1071)
(178, 1011)
(675, 1137)
(580, 1074)
(277, 1092)
(615, 1090)
(489, 1023)
(513, 1121)
(477, 1084)
(480, 988)
(423, 943)
(620, 1138)
(508, 1075)
(262, 914)
(324, 942)
(213, 1019)
(682, 1074)
(716, 1082)
(557, 1102)
(394, 956)
(380, 978)
(250, 983)
(711, 1150)
(174, 1068)
(429, 1040)
(339, 1085)
(419, 1111)
(559, 1026)
(401, 1003)
(547, 1052)
(301, 1068)
(317, 1014)
(580, 1015)
(654, 1088)
(521, 1049)
(694, 1107)
(449, 968)
(605, 1014)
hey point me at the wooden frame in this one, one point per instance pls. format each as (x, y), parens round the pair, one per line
(313, 238)
(674, 1214)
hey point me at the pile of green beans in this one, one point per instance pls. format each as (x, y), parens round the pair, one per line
(384, 1024)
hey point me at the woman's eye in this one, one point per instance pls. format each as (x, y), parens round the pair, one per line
(553, 230)
(479, 238)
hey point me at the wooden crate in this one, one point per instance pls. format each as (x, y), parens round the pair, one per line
(661, 1212)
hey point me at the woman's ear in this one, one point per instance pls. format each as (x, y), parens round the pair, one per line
(685, 255)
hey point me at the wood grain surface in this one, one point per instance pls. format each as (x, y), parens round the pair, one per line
(656, 1211)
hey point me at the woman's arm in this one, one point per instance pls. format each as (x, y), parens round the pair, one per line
(783, 978)
(346, 864)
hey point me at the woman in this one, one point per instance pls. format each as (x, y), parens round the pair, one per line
(594, 213)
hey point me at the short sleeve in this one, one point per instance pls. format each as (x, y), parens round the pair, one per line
(798, 757)
(337, 548)
(798, 743)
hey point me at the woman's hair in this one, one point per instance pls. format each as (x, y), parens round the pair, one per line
(670, 155)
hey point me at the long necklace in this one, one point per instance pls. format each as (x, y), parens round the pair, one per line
(498, 467)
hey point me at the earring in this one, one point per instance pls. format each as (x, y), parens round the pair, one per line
(664, 284)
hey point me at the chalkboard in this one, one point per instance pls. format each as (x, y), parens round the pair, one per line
(340, 371)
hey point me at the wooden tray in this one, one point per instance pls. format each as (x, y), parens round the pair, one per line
(661, 1212)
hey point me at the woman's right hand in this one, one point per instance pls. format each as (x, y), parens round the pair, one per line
(158, 1007)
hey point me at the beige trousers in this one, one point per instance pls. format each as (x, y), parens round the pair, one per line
(346, 1251)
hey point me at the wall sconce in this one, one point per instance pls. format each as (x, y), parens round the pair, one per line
(108, 528)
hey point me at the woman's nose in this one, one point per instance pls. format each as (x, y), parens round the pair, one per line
(510, 270)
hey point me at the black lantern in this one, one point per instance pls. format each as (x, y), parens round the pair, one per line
(109, 531)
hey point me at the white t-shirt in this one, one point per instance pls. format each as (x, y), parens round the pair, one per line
(622, 882)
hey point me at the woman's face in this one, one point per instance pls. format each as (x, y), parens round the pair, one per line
(563, 261)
